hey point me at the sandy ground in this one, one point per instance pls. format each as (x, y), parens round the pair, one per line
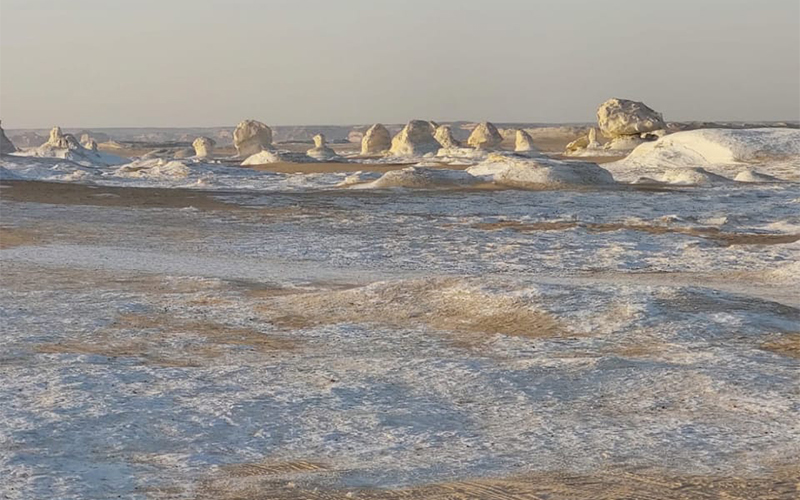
(170, 339)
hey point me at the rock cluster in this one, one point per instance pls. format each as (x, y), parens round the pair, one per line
(376, 140)
(60, 140)
(321, 151)
(203, 147)
(251, 137)
(485, 136)
(6, 146)
(416, 139)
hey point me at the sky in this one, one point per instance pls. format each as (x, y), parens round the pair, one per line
(162, 63)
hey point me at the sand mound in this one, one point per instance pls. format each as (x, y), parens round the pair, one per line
(540, 173)
(421, 178)
(694, 176)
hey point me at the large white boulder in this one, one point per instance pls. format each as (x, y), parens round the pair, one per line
(444, 136)
(620, 117)
(523, 142)
(416, 139)
(203, 147)
(321, 151)
(376, 140)
(485, 136)
(6, 146)
(251, 137)
(60, 140)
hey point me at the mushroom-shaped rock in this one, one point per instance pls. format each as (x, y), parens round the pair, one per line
(524, 142)
(416, 139)
(251, 137)
(444, 136)
(619, 117)
(203, 147)
(6, 146)
(376, 140)
(485, 136)
(321, 151)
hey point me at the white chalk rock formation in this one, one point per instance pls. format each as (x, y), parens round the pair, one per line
(593, 144)
(416, 139)
(203, 147)
(523, 142)
(540, 173)
(420, 178)
(251, 137)
(376, 140)
(444, 136)
(321, 151)
(6, 146)
(60, 140)
(692, 176)
(751, 175)
(90, 144)
(485, 136)
(620, 117)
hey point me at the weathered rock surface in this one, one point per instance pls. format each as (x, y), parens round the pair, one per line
(376, 140)
(251, 137)
(621, 117)
(90, 144)
(203, 147)
(321, 151)
(6, 146)
(60, 140)
(416, 139)
(523, 142)
(444, 136)
(485, 136)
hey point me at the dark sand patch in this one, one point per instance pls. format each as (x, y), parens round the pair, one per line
(442, 304)
(716, 235)
(11, 237)
(786, 345)
(111, 196)
(161, 339)
(602, 485)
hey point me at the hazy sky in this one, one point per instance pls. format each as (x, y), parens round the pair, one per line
(101, 63)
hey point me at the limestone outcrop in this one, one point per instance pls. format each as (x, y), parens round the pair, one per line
(623, 117)
(60, 140)
(485, 136)
(444, 136)
(376, 140)
(6, 146)
(251, 137)
(416, 139)
(90, 144)
(203, 147)
(523, 142)
(321, 151)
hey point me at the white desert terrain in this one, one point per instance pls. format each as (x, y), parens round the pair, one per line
(418, 314)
